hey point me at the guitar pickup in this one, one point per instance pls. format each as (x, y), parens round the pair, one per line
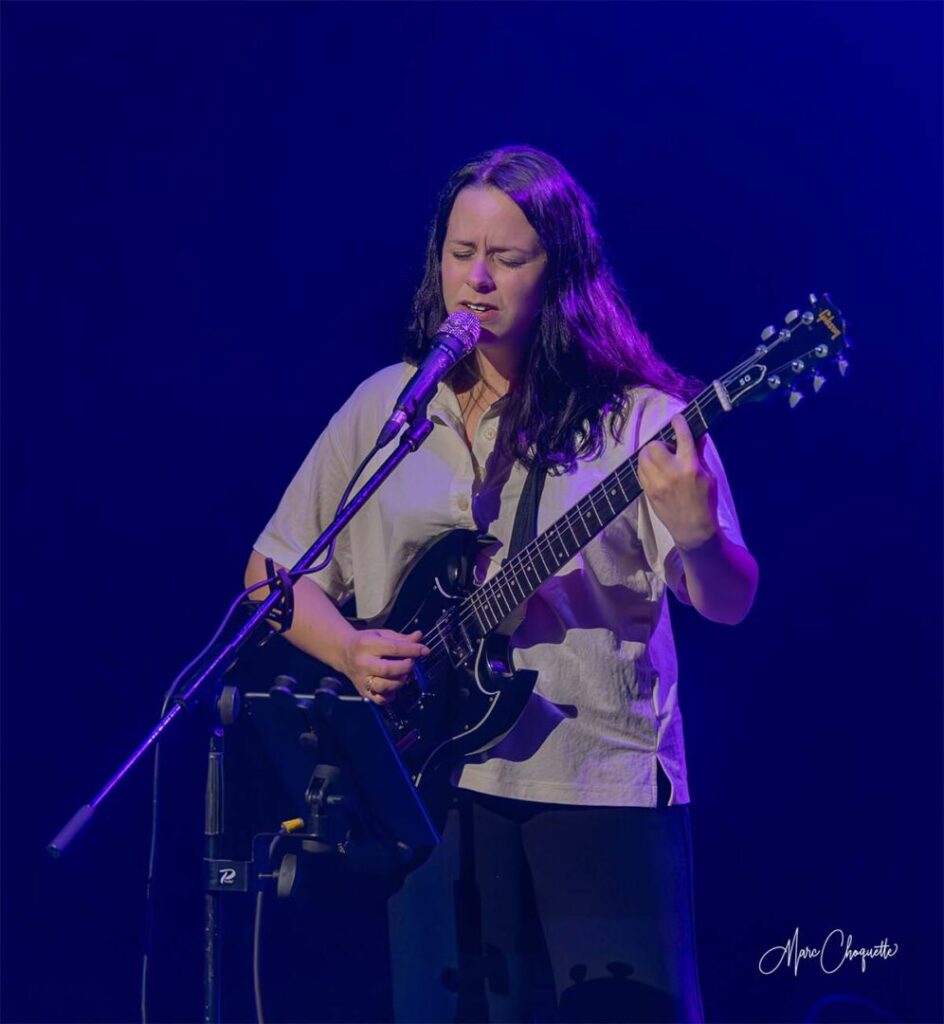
(459, 645)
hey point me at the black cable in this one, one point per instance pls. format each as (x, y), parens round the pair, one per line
(257, 929)
(155, 792)
(347, 490)
(256, 958)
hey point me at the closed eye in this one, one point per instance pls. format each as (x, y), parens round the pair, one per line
(504, 262)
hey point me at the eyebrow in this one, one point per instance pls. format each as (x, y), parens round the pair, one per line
(491, 248)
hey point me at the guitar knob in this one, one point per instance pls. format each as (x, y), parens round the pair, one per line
(795, 397)
(773, 382)
(843, 365)
(798, 366)
(791, 316)
(818, 381)
(767, 333)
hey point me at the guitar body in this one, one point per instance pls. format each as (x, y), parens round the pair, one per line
(464, 696)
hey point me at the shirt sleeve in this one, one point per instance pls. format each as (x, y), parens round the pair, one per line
(658, 546)
(307, 508)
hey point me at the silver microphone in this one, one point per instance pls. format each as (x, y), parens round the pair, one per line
(454, 340)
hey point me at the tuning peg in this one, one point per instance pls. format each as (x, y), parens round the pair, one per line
(794, 397)
(813, 299)
(791, 316)
(818, 381)
(768, 332)
(843, 364)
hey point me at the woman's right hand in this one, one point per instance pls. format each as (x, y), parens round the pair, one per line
(379, 661)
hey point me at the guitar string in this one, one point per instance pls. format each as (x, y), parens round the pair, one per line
(497, 590)
(479, 601)
(484, 599)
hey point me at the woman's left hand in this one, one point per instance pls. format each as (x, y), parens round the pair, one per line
(682, 491)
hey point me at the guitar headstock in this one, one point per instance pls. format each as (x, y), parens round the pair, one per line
(797, 351)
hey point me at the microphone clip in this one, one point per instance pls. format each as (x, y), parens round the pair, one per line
(284, 612)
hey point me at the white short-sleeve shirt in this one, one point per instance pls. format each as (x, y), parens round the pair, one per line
(605, 707)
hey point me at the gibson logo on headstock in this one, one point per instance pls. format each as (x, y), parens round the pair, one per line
(825, 317)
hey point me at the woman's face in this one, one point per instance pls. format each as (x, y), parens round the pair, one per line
(493, 265)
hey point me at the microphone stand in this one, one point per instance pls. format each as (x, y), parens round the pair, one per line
(278, 604)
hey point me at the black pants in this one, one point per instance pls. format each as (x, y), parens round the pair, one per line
(544, 912)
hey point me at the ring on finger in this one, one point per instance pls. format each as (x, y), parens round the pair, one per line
(369, 685)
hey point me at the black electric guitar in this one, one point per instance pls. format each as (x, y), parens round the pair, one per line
(464, 696)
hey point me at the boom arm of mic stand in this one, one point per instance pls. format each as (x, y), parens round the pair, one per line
(227, 656)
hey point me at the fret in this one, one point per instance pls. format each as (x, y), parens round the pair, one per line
(590, 520)
(493, 611)
(519, 565)
(495, 608)
(481, 611)
(547, 568)
(701, 416)
(593, 508)
(513, 581)
(570, 526)
(509, 593)
(492, 598)
(619, 479)
(477, 612)
(529, 565)
(560, 548)
(480, 605)
(547, 553)
(630, 464)
(573, 519)
(609, 493)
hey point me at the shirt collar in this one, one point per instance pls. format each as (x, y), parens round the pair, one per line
(446, 405)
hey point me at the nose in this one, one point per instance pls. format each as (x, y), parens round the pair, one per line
(479, 278)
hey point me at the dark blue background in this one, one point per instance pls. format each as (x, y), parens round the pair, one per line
(213, 220)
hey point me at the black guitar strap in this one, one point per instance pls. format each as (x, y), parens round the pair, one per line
(526, 516)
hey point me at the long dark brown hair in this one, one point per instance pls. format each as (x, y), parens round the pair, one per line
(587, 349)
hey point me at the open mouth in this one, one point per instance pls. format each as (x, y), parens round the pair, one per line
(478, 307)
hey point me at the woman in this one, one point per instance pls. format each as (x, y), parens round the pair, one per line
(562, 889)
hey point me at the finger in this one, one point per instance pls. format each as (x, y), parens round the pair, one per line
(656, 454)
(390, 668)
(643, 471)
(390, 643)
(382, 691)
(392, 634)
(684, 442)
(377, 696)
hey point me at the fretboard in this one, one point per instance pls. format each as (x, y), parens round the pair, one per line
(492, 602)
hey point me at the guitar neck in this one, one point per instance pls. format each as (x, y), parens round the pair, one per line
(520, 576)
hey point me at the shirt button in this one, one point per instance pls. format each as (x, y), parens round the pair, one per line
(463, 502)
(489, 433)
